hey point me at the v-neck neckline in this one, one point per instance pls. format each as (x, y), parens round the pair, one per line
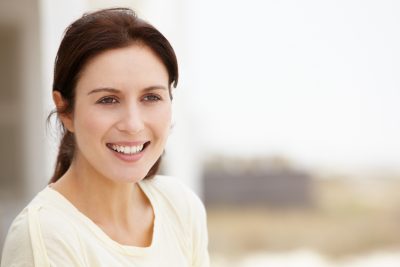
(98, 231)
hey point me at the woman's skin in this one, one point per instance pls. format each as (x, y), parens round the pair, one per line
(122, 102)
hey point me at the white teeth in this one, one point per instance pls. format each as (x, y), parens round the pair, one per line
(127, 149)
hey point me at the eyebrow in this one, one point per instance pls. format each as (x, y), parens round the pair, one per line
(106, 89)
(113, 90)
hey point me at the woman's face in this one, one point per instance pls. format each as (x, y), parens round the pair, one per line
(122, 113)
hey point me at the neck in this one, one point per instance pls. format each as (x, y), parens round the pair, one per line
(103, 200)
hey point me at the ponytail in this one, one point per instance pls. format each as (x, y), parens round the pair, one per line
(65, 155)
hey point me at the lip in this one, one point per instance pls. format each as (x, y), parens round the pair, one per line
(125, 157)
(127, 143)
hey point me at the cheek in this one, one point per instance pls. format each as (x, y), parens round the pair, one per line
(89, 123)
(162, 121)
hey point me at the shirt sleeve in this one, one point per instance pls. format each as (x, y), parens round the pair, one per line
(38, 238)
(17, 249)
(200, 234)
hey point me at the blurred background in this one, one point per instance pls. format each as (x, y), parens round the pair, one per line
(286, 121)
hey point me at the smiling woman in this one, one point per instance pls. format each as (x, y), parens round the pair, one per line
(105, 205)
(122, 103)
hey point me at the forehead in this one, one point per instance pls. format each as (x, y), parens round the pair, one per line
(135, 66)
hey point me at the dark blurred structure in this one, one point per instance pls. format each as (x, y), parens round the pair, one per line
(260, 182)
(10, 115)
(22, 156)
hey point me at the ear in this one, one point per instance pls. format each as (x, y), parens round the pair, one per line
(61, 103)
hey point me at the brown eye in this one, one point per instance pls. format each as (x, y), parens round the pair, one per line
(151, 98)
(107, 100)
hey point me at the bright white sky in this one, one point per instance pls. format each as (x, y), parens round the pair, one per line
(316, 81)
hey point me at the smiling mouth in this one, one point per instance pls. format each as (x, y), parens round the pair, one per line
(128, 150)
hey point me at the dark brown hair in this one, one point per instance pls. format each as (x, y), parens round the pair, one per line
(87, 37)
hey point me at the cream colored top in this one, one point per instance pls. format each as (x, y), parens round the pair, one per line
(50, 231)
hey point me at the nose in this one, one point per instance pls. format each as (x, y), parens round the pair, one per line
(131, 120)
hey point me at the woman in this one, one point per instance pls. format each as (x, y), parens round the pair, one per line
(105, 206)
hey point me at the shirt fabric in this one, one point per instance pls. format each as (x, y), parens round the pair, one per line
(50, 231)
